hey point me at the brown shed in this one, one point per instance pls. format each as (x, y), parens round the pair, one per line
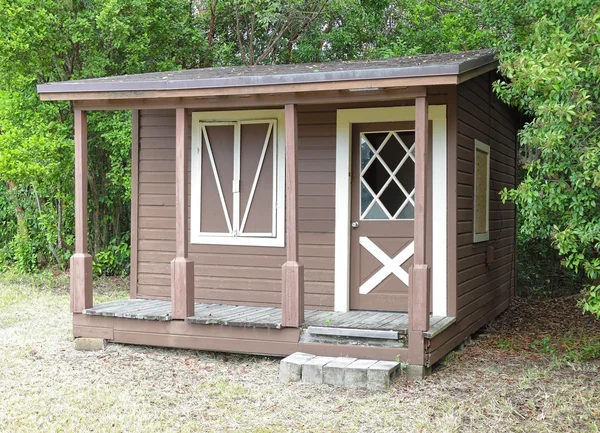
(347, 208)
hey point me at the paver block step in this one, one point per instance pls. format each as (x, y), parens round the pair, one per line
(312, 371)
(343, 372)
(290, 368)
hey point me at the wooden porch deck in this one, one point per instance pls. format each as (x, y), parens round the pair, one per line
(263, 317)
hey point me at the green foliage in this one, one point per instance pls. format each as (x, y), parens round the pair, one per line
(591, 302)
(24, 254)
(579, 348)
(542, 346)
(540, 273)
(503, 343)
(430, 27)
(539, 270)
(47, 40)
(554, 77)
(588, 349)
(114, 260)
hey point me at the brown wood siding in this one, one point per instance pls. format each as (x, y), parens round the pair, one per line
(237, 274)
(482, 290)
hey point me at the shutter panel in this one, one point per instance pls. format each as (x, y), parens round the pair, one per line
(481, 191)
(216, 199)
(257, 178)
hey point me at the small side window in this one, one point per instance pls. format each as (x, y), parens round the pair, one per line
(481, 193)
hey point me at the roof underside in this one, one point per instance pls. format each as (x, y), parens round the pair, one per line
(433, 65)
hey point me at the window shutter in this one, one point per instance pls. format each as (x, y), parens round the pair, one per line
(481, 193)
(216, 199)
(257, 170)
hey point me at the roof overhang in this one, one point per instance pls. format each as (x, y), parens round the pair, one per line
(381, 75)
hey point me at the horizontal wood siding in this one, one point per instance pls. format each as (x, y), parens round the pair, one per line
(483, 290)
(237, 274)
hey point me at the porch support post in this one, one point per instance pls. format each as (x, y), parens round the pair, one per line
(81, 261)
(292, 275)
(418, 293)
(182, 268)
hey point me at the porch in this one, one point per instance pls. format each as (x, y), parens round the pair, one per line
(283, 330)
(367, 328)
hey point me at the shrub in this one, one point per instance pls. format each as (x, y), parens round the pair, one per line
(114, 260)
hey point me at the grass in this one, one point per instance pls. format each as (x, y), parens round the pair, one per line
(47, 386)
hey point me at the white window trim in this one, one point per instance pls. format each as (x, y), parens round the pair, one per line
(481, 237)
(276, 239)
(345, 119)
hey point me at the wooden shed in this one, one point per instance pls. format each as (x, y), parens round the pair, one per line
(347, 208)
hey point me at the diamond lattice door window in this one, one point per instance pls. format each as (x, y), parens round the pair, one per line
(387, 176)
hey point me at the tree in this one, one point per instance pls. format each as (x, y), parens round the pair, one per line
(551, 65)
(47, 40)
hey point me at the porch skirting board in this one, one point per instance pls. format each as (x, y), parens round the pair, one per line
(185, 335)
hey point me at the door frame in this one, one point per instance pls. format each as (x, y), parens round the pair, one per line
(343, 162)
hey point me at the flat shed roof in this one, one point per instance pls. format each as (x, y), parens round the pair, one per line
(431, 65)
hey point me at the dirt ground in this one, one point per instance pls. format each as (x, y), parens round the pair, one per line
(532, 370)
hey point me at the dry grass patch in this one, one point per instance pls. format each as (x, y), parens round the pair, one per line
(47, 386)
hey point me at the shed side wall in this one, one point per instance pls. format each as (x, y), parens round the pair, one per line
(237, 274)
(483, 291)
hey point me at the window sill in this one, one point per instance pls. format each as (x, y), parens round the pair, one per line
(238, 241)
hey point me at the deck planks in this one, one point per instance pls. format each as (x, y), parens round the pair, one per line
(142, 309)
(264, 317)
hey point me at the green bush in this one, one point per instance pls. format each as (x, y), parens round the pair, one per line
(25, 257)
(114, 260)
(540, 272)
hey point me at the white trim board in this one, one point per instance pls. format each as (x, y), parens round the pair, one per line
(343, 152)
(276, 239)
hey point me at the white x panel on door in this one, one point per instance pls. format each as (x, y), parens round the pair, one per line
(390, 266)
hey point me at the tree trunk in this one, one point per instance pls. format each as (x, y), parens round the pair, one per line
(20, 213)
(59, 241)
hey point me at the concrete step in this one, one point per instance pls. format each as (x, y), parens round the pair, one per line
(353, 336)
(343, 372)
(351, 332)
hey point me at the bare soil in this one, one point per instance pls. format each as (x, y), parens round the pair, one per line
(532, 370)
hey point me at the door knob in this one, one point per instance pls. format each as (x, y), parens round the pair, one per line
(355, 224)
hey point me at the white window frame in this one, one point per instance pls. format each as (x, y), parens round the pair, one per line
(481, 237)
(237, 118)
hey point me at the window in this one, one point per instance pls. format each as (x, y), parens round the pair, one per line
(387, 178)
(238, 178)
(481, 194)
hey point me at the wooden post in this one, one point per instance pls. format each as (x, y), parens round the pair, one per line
(81, 261)
(182, 268)
(292, 278)
(135, 200)
(418, 292)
